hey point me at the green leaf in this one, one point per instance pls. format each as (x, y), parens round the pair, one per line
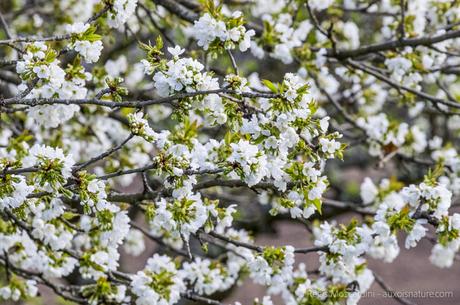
(303, 89)
(318, 204)
(90, 35)
(228, 138)
(270, 85)
(159, 42)
(69, 215)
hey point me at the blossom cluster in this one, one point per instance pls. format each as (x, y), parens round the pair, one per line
(215, 29)
(86, 43)
(40, 63)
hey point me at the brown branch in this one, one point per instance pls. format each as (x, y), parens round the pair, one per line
(103, 155)
(52, 38)
(391, 292)
(390, 82)
(392, 45)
